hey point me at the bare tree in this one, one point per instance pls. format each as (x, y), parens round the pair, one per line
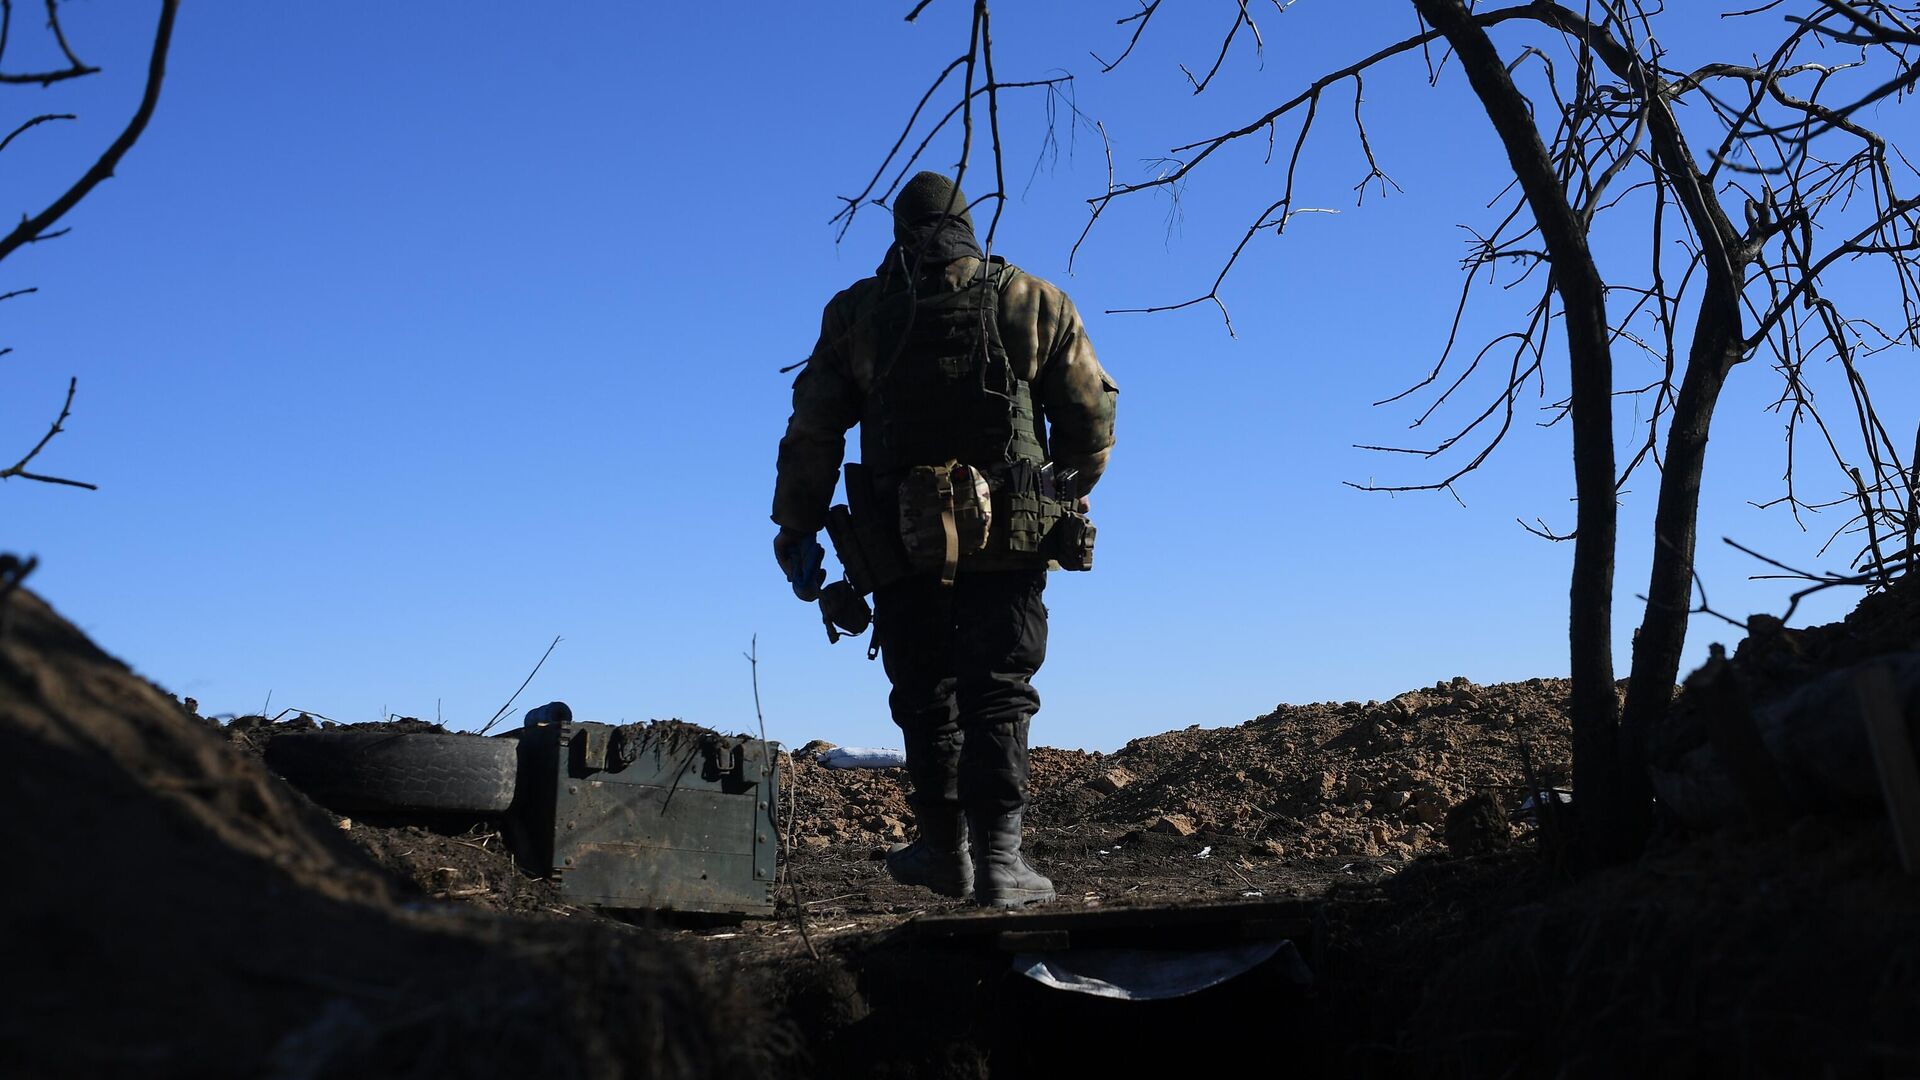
(1748, 212)
(977, 81)
(37, 227)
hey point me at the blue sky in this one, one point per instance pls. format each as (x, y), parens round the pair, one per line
(412, 336)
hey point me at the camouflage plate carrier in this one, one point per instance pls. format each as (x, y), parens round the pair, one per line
(946, 417)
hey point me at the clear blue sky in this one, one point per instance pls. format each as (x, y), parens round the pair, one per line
(411, 336)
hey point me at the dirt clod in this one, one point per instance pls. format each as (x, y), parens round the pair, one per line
(1111, 781)
(1173, 825)
(1477, 825)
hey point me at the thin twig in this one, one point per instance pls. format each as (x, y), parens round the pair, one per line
(488, 726)
(19, 468)
(303, 712)
(793, 883)
(1139, 19)
(74, 69)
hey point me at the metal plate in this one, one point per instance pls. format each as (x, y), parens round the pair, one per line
(642, 845)
(680, 822)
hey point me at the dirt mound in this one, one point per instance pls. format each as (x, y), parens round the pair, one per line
(1774, 658)
(1353, 778)
(845, 806)
(1775, 730)
(255, 732)
(1330, 778)
(186, 913)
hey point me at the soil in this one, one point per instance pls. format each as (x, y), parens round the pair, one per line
(1282, 805)
(1449, 940)
(179, 911)
(1774, 660)
(1323, 780)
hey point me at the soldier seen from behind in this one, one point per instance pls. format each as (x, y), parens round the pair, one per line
(985, 420)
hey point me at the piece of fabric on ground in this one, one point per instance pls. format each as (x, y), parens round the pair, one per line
(1156, 974)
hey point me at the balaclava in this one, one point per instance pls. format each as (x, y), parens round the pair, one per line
(931, 223)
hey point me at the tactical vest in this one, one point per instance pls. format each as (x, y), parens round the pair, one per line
(943, 391)
(942, 387)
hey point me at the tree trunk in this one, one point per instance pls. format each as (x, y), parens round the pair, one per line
(1663, 628)
(1604, 812)
(1715, 348)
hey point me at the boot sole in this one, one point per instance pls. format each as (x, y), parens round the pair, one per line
(961, 891)
(937, 890)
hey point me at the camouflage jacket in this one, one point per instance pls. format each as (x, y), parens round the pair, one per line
(1045, 342)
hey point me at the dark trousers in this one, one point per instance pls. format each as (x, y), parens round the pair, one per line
(961, 659)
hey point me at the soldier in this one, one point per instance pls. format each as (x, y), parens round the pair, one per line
(970, 372)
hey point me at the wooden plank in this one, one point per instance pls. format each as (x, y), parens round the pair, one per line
(1184, 923)
(1032, 940)
(1893, 756)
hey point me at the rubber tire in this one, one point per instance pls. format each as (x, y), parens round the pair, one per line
(370, 772)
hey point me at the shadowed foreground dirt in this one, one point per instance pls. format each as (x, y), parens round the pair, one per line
(176, 910)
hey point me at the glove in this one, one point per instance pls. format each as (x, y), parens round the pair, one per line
(801, 557)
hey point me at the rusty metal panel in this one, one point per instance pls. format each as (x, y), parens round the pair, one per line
(663, 817)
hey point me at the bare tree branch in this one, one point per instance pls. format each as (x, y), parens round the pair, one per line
(1240, 18)
(39, 227)
(1139, 19)
(74, 69)
(33, 123)
(977, 58)
(31, 228)
(19, 468)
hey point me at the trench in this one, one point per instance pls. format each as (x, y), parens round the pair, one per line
(947, 996)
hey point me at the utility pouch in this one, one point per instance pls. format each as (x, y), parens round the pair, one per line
(865, 538)
(1071, 542)
(945, 513)
(1030, 514)
(852, 553)
(844, 611)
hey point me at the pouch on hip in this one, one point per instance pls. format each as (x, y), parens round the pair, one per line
(946, 512)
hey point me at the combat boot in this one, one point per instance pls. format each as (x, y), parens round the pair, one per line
(938, 858)
(1001, 876)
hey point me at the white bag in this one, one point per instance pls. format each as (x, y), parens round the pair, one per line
(861, 757)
